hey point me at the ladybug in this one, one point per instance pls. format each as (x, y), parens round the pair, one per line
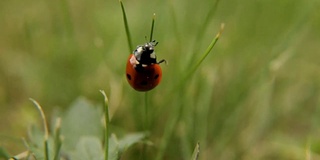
(143, 72)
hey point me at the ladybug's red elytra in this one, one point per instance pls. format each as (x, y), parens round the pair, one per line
(143, 72)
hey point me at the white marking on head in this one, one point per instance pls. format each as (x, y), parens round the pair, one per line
(139, 49)
(133, 61)
(153, 55)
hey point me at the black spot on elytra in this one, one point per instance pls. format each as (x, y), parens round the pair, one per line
(143, 83)
(128, 76)
(156, 76)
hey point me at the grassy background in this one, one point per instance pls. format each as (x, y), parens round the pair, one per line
(256, 97)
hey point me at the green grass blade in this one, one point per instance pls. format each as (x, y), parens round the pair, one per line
(206, 53)
(196, 152)
(106, 133)
(146, 112)
(22, 155)
(126, 26)
(152, 26)
(45, 126)
(57, 139)
(170, 126)
(203, 27)
(174, 118)
(146, 124)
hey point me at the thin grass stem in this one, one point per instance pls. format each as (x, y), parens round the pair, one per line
(170, 126)
(152, 27)
(126, 26)
(177, 112)
(205, 54)
(146, 112)
(203, 27)
(45, 126)
(57, 139)
(106, 133)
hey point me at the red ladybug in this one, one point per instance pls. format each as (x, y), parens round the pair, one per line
(143, 72)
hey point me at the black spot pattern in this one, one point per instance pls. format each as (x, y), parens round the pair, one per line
(143, 83)
(128, 76)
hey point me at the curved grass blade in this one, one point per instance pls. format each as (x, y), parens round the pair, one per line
(177, 112)
(126, 26)
(203, 27)
(106, 133)
(45, 126)
(206, 53)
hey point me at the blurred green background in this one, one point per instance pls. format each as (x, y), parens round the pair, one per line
(256, 96)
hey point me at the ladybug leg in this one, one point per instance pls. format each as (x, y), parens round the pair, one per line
(161, 61)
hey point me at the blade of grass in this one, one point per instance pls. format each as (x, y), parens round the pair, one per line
(205, 54)
(146, 107)
(175, 116)
(126, 26)
(31, 154)
(20, 156)
(170, 126)
(25, 154)
(45, 126)
(145, 123)
(57, 139)
(203, 27)
(106, 133)
(152, 26)
(146, 112)
(196, 152)
(67, 18)
(196, 65)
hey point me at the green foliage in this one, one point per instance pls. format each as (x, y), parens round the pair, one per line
(88, 148)
(4, 153)
(81, 140)
(255, 96)
(88, 118)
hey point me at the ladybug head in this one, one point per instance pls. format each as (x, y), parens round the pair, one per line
(145, 54)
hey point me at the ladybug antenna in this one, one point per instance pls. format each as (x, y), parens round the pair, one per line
(154, 43)
(146, 38)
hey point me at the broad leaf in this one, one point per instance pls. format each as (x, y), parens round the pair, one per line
(129, 140)
(82, 119)
(88, 148)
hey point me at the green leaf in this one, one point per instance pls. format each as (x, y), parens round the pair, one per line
(113, 148)
(196, 152)
(4, 153)
(82, 119)
(88, 148)
(37, 143)
(129, 140)
(117, 147)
